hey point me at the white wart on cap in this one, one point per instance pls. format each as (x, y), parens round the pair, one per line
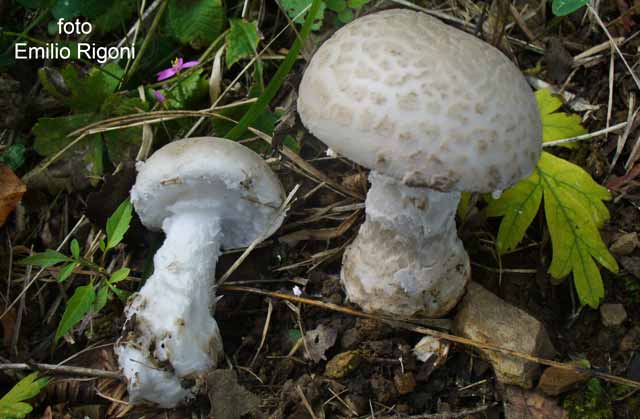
(402, 93)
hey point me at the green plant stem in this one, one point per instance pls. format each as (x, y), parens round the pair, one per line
(274, 85)
(147, 39)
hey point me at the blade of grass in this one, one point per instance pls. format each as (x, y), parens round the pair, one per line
(276, 82)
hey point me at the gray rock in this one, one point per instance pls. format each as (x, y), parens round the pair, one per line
(612, 315)
(484, 317)
(625, 244)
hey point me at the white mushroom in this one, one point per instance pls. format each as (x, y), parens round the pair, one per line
(204, 193)
(432, 111)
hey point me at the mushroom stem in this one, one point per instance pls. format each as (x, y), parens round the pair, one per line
(172, 334)
(407, 258)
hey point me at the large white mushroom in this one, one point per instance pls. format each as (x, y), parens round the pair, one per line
(205, 194)
(432, 111)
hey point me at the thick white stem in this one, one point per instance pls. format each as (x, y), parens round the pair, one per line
(407, 258)
(171, 338)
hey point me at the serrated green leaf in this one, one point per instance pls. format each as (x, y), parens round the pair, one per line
(195, 22)
(294, 9)
(518, 205)
(184, 92)
(66, 271)
(78, 306)
(119, 275)
(89, 92)
(75, 248)
(45, 259)
(118, 224)
(574, 211)
(101, 299)
(51, 133)
(11, 404)
(565, 7)
(241, 40)
(557, 125)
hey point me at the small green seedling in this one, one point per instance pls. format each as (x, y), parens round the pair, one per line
(92, 297)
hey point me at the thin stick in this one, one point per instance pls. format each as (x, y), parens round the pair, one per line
(280, 213)
(37, 275)
(585, 136)
(64, 369)
(437, 334)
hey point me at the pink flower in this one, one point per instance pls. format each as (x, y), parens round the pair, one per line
(176, 66)
(159, 96)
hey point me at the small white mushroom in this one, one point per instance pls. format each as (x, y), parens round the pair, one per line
(204, 193)
(432, 111)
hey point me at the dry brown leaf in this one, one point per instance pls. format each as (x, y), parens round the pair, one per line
(11, 191)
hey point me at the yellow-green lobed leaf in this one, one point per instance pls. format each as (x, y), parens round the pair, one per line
(557, 125)
(573, 205)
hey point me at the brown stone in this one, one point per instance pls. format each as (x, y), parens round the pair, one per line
(625, 244)
(343, 364)
(405, 382)
(484, 317)
(612, 315)
(555, 381)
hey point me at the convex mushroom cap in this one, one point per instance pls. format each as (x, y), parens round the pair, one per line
(402, 93)
(214, 175)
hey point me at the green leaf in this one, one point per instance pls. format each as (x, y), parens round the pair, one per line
(291, 143)
(66, 271)
(78, 306)
(565, 7)
(184, 91)
(557, 125)
(259, 107)
(14, 156)
(89, 92)
(119, 275)
(66, 9)
(118, 224)
(51, 133)
(101, 299)
(336, 5)
(75, 248)
(115, 16)
(241, 41)
(574, 212)
(121, 294)
(195, 22)
(345, 16)
(34, 4)
(45, 259)
(357, 4)
(102, 245)
(122, 144)
(518, 205)
(294, 9)
(11, 404)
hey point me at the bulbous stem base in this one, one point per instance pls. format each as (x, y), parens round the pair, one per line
(407, 259)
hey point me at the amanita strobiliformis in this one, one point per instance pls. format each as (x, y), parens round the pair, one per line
(205, 194)
(432, 111)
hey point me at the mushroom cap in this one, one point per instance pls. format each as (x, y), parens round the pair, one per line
(214, 175)
(402, 93)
